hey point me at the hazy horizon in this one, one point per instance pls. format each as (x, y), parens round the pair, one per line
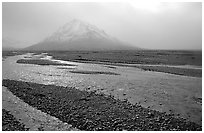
(146, 25)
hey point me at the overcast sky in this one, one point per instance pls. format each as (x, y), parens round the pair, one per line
(146, 25)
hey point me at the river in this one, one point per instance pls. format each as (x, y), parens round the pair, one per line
(179, 95)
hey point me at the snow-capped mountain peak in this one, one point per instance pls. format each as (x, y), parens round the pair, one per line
(80, 35)
(77, 29)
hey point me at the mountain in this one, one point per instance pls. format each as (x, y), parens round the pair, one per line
(79, 35)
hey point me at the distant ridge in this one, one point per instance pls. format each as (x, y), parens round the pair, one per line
(79, 35)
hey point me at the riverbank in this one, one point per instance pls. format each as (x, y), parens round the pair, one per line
(173, 70)
(157, 68)
(41, 62)
(126, 59)
(91, 111)
(165, 57)
(144, 57)
(18, 115)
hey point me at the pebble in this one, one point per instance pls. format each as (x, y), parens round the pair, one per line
(115, 114)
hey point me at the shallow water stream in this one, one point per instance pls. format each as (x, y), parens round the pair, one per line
(160, 91)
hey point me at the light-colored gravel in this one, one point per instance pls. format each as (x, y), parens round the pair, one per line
(32, 118)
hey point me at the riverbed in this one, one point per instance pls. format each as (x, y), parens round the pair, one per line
(179, 95)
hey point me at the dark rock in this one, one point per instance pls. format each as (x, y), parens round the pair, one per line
(149, 115)
(91, 111)
(85, 98)
(9, 122)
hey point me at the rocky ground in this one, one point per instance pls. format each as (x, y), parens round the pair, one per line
(9, 122)
(115, 57)
(165, 69)
(22, 116)
(173, 70)
(94, 72)
(166, 57)
(88, 110)
(143, 57)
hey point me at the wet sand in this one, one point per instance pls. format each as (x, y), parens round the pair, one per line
(41, 62)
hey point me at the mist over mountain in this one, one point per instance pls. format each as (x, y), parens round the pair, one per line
(12, 44)
(79, 35)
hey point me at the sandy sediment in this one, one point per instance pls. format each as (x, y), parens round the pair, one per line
(91, 111)
(33, 119)
(41, 62)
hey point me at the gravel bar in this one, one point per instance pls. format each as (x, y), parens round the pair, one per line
(42, 62)
(9, 122)
(91, 111)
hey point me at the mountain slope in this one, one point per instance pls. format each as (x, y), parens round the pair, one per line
(79, 35)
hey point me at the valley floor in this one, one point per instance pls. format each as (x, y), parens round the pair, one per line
(90, 111)
(111, 97)
(161, 60)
